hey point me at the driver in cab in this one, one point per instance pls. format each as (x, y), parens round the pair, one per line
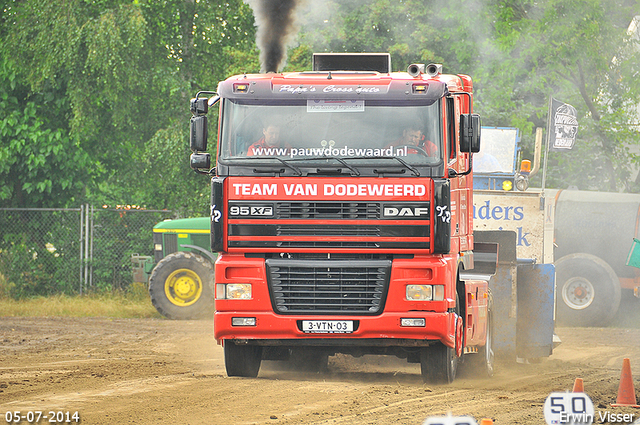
(270, 144)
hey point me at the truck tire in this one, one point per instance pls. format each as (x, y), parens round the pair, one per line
(242, 360)
(439, 362)
(180, 286)
(588, 291)
(487, 355)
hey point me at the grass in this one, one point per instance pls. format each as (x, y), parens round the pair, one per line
(134, 303)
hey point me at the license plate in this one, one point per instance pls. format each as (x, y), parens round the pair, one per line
(327, 326)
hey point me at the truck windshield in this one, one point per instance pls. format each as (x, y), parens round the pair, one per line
(310, 129)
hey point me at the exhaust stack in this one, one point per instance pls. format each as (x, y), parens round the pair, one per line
(415, 69)
(434, 69)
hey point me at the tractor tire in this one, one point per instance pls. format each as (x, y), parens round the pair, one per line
(588, 291)
(181, 285)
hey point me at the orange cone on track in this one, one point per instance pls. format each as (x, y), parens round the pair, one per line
(626, 392)
(486, 421)
(578, 386)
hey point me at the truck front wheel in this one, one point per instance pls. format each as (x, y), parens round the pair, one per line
(180, 286)
(439, 362)
(588, 290)
(242, 360)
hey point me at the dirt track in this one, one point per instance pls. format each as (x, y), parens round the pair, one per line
(160, 371)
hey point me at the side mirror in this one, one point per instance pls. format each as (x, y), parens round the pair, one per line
(200, 161)
(198, 133)
(470, 133)
(199, 106)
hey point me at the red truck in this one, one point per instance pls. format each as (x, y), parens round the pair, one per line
(342, 213)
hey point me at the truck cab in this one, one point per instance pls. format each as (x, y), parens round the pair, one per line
(341, 210)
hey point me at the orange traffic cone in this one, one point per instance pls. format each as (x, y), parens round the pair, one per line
(486, 421)
(578, 386)
(626, 393)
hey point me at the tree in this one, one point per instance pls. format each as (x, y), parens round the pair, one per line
(40, 165)
(104, 78)
(576, 51)
(519, 53)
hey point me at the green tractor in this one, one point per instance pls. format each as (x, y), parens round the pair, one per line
(181, 283)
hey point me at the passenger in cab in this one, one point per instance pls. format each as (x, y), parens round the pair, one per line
(412, 136)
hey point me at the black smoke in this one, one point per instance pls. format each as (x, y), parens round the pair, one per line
(277, 26)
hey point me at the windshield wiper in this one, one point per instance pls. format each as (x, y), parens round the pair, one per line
(354, 170)
(343, 162)
(410, 167)
(285, 163)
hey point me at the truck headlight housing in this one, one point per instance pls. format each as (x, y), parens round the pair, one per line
(233, 291)
(425, 292)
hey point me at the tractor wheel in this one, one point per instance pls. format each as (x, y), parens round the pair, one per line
(180, 286)
(588, 291)
(242, 360)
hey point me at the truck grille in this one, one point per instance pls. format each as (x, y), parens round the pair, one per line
(329, 210)
(328, 287)
(286, 225)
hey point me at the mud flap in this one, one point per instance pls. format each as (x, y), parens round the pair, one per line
(536, 283)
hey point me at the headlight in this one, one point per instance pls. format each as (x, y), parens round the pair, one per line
(233, 291)
(425, 292)
(419, 292)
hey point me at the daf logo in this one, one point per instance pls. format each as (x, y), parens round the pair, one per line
(406, 212)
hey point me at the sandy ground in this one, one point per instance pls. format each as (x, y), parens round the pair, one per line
(160, 371)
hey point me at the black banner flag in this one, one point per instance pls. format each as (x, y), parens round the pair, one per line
(564, 126)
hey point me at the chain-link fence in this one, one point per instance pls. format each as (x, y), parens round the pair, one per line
(47, 251)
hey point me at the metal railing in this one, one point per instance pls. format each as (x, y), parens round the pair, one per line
(72, 250)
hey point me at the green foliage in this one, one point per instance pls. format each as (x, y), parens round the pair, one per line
(168, 177)
(39, 256)
(118, 235)
(39, 250)
(38, 159)
(576, 51)
(94, 100)
(519, 53)
(94, 95)
(117, 73)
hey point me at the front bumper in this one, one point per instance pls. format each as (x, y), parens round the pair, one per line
(385, 329)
